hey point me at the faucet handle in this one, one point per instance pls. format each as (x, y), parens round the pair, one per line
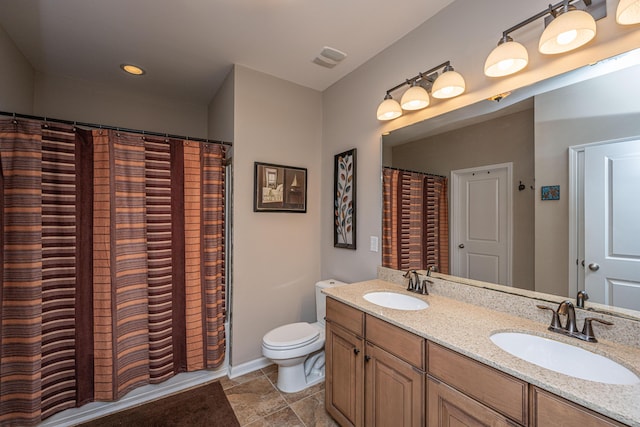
(555, 319)
(412, 285)
(423, 288)
(587, 329)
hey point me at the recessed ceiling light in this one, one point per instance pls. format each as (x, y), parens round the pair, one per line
(132, 69)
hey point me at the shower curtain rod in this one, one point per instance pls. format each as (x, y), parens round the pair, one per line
(95, 126)
(410, 171)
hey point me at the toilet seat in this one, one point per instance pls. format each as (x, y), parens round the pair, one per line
(290, 336)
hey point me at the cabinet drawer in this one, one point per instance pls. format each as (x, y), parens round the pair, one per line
(489, 386)
(397, 341)
(549, 409)
(346, 316)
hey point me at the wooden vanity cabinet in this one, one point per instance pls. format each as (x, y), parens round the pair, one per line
(471, 393)
(447, 407)
(374, 370)
(344, 364)
(394, 375)
(378, 374)
(548, 409)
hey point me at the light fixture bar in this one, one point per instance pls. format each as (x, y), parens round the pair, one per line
(421, 76)
(597, 8)
(569, 24)
(448, 84)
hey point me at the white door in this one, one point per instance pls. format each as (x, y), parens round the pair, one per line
(481, 223)
(612, 223)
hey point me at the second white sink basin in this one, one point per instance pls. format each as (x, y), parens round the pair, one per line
(395, 300)
(564, 358)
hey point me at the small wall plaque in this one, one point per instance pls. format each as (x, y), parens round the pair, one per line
(550, 192)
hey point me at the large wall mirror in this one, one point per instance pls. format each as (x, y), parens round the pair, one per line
(542, 187)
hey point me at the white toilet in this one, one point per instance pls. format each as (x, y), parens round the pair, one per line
(298, 348)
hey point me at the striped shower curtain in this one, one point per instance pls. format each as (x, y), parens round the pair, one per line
(112, 264)
(415, 221)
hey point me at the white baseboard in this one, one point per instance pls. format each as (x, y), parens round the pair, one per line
(139, 396)
(247, 367)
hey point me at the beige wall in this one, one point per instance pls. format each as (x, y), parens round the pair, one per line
(276, 256)
(83, 101)
(500, 140)
(464, 32)
(221, 111)
(16, 78)
(602, 109)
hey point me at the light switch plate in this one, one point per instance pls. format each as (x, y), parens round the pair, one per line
(373, 244)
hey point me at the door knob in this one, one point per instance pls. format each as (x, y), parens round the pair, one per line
(594, 267)
(461, 245)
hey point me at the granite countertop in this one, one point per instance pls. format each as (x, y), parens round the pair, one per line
(466, 328)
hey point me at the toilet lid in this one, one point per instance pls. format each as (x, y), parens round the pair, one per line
(291, 335)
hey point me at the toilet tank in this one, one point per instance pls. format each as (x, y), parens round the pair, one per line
(321, 308)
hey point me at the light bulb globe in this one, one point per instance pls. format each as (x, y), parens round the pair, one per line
(567, 32)
(415, 98)
(507, 58)
(388, 109)
(448, 85)
(628, 12)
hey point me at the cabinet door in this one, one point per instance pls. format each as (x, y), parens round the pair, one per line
(447, 407)
(344, 381)
(394, 390)
(549, 409)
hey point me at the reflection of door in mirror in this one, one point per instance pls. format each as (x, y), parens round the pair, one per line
(481, 225)
(611, 227)
(415, 230)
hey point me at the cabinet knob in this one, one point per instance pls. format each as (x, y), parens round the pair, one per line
(367, 358)
(356, 351)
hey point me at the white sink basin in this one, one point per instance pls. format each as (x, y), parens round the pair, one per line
(395, 300)
(564, 358)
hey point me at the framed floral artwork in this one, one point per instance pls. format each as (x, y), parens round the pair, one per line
(344, 205)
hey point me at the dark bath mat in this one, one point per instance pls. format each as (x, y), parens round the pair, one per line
(205, 406)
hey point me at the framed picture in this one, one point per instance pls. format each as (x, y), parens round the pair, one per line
(278, 188)
(550, 192)
(344, 205)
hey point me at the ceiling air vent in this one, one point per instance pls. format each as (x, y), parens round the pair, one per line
(329, 57)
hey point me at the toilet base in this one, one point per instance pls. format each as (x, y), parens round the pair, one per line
(302, 375)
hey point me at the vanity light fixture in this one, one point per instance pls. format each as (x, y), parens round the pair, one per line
(508, 57)
(415, 98)
(569, 25)
(389, 109)
(446, 85)
(449, 85)
(569, 29)
(628, 12)
(132, 69)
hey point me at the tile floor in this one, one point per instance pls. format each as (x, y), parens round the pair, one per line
(258, 403)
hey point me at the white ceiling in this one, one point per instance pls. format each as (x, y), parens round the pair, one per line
(188, 46)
